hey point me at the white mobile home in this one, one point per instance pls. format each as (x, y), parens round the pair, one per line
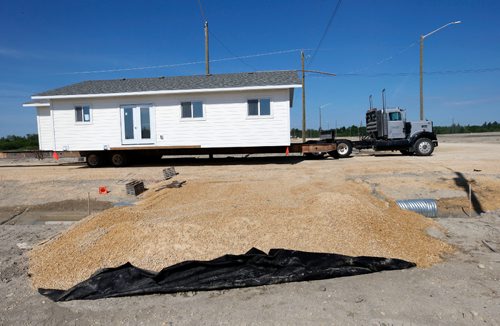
(209, 113)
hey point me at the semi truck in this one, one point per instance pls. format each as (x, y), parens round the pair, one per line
(387, 129)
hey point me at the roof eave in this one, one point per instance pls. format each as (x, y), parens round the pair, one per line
(36, 104)
(167, 92)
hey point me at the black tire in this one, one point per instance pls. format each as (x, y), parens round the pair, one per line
(424, 147)
(334, 154)
(119, 159)
(344, 148)
(94, 160)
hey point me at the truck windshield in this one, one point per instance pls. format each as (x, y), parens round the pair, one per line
(395, 116)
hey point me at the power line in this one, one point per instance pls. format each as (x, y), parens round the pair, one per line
(399, 52)
(437, 72)
(204, 17)
(387, 58)
(202, 13)
(334, 13)
(182, 64)
(231, 52)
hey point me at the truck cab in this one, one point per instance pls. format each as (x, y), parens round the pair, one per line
(388, 129)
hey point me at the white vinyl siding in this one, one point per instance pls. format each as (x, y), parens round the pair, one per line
(225, 121)
(104, 129)
(45, 129)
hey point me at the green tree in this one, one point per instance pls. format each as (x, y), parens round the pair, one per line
(12, 142)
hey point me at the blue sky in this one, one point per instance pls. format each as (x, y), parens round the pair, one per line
(44, 43)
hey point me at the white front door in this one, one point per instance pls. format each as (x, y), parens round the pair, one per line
(137, 124)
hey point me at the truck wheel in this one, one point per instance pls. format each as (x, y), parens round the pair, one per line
(344, 148)
(424, 147)
(118, 160)
(94, 160)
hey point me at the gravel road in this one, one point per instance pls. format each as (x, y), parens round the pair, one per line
(462, 290)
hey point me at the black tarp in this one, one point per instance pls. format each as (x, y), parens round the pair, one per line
(230, 271)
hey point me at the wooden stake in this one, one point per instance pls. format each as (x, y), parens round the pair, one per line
(302, 60)
(470, 200)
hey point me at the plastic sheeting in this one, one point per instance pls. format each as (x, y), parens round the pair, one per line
(230, 271)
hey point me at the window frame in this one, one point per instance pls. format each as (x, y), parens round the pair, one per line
(192, 118)
(259, 115)
(399, 116)
(82, 106)
(152, 123)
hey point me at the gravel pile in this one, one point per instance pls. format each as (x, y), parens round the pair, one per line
(206, 218)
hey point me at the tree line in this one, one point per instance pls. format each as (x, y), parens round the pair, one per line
(352, 131)
(456, 128)
(11, 142)
(355, 131)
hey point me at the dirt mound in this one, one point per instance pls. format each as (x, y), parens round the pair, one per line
(206, 219)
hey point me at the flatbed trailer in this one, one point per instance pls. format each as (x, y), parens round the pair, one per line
(121, 156)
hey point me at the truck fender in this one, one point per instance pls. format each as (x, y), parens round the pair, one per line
(422, 134)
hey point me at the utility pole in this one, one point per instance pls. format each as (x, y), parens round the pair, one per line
(421, 77)
(302, 58)
(303, 98)
(207, 64)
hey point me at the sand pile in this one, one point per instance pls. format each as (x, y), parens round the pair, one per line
(206, 219)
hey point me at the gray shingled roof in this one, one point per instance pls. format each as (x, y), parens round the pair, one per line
(246, 79)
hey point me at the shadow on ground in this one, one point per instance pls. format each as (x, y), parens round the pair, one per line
(216, 161)
(462, 182)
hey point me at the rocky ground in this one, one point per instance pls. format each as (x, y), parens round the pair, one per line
(464, 289)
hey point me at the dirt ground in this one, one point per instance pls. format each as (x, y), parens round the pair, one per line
(463, 289)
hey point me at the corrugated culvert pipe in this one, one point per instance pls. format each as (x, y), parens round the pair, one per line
(426, 207)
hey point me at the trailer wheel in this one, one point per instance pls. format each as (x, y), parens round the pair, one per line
(424, 147)
(94, 160)
(344, 148)
(118, 160)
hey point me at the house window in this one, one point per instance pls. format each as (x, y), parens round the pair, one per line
(193, 110)
(260, 107)
(82, 113)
